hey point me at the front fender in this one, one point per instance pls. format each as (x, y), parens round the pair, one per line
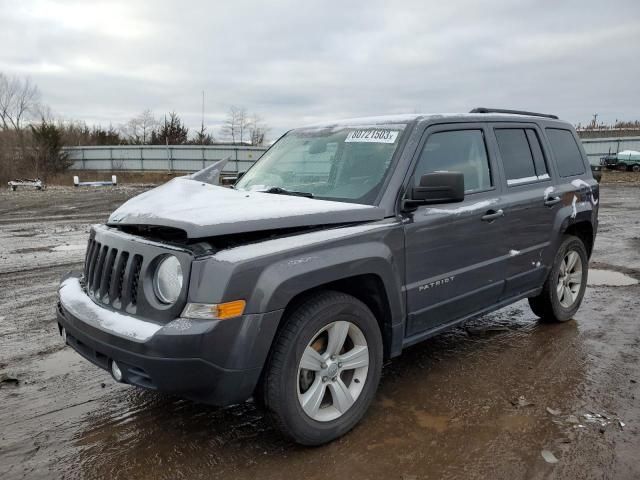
(268, 276)
(283, 280)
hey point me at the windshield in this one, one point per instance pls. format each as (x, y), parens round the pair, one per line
(339, 163)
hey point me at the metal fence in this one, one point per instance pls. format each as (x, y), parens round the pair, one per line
(172, 158)
(599, 147)
(191, 158)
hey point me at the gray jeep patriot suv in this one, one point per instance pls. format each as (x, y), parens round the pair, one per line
(345, 243)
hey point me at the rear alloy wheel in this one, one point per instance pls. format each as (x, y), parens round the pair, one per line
(569, 279)
(324, 368)
(565, 285)
(636, 168)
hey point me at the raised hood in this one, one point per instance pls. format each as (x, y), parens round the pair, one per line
(204, 210)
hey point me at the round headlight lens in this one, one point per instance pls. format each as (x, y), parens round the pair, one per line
(167, 282)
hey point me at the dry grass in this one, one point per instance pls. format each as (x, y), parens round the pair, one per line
(610, 177)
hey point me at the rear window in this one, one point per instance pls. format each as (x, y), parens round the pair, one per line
(521, 155)
(566, 152)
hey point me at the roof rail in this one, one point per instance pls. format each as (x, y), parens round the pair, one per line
(516, 112)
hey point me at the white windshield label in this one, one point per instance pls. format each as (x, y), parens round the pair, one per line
(372, 136)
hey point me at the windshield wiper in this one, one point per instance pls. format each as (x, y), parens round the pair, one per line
(282, 191)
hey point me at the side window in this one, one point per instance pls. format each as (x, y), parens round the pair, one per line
(566, 152)
(538, 155)
(457, 151)
(522, 155)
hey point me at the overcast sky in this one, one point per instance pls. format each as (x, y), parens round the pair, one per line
(295, 63)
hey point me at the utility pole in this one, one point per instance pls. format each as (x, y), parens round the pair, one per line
(202, 124)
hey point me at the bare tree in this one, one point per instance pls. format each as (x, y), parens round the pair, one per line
(257, 130)
(138, 129)
(236, 125)
(19, 100)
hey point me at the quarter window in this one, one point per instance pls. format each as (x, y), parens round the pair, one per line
(521, 155)
(457, 151)
(566, 152)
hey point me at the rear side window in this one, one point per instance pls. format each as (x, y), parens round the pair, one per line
(457, 151)
(566, 152)
(538, 155)
(521, 154)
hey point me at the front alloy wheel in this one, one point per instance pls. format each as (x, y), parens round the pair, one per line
(323, 369)
(332, 371)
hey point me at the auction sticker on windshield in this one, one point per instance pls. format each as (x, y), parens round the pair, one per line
(372, 136)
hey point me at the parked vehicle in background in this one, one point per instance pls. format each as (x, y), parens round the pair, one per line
(345, 243)
(627, 160)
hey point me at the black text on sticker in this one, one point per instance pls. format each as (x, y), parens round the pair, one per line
(372, 136)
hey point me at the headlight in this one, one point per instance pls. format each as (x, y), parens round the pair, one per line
(167, 282)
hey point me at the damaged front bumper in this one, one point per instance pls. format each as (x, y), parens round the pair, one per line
(214, 361)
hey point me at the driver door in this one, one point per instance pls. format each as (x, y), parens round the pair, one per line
(455, 252)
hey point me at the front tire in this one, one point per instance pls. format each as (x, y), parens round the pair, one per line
(566, 283)
(324, 368)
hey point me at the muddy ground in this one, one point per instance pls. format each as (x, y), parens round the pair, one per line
(469, 404)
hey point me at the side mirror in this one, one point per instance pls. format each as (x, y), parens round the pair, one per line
(437, 187)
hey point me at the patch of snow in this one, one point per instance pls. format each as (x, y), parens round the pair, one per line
(467, 208)
(513, 253)
(627, 154)
(574, 213)
(548, 191)
(581, 183)
(185, 203)
(270, 247)
(76, 301)
(135, 238)
(180, 324)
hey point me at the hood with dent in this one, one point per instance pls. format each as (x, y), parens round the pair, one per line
(204, 210)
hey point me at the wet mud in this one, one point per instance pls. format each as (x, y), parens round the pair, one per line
(481, 401)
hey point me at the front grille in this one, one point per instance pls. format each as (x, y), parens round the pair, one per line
(111, 276)
(118, 264)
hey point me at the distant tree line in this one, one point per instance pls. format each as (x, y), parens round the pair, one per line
(32, 140)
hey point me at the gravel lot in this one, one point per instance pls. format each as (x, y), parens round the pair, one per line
(472, 403)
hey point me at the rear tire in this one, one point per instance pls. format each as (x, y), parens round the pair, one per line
(566, 283)
(324, 368)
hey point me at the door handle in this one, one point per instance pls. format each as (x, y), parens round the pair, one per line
(551, 201)
(491, 215)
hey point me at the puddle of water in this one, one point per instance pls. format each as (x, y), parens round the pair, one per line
(33, 249)
(609, 278)
(67, 248)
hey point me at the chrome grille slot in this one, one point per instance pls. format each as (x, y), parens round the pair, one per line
(105, 280)
(95, 249)
(117, 279)
(135, 278)
(87, 257)
(97, 270)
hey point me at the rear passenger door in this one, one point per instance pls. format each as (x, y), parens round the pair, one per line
(530, 204)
